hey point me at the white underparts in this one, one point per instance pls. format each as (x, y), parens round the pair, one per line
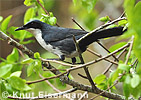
(48, 47)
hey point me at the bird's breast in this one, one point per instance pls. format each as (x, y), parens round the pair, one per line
(38, 35)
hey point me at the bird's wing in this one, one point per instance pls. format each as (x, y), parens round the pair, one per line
(58, 33)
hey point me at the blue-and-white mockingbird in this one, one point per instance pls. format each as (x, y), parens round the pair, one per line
(60, 41)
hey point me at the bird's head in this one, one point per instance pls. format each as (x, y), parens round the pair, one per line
(31, 26)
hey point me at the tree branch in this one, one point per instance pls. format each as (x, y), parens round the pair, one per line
(65, 78)
(82, 61)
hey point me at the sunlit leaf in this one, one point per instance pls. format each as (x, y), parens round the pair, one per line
(29, 15)
(1, 18)
(5, 69)
(99, 79)
(17, 73)
(18, 83)
(135, 81)
(14, 56)
(4, 24)
(104, 19)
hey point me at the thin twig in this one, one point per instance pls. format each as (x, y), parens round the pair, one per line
(102, 26)
(16, 44)
(64, 78)
(91, 51)
(53, 87)
(107, 50)
(110, 65)
(77, 24)
(58, 62)
(96, 41)
(82, 61)
(46, 11)
(82, 76)
(98, 55)
(109, 87)
(99, 59)
(130, 49)
(136, 60)
(37, 81)
(54, 69)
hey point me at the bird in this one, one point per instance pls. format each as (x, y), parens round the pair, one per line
(59, 40)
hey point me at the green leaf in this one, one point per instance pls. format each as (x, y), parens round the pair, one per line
(30, 69)
(27, 42)
(89, 4)
(135, 80)
(111, 26)
(30, 13)
(116, 46)
(18, 83)
(136, 92)
(136, 24)
(17, 73)
(37, 65)
(126, 86)
(5, 23)
(49, 19)
(70, 77)
(124, 67)
(14, 56)
(29, 2)
(126, 90)
(5, 69)
(27, 61)
(127, 79)
(113, 76)
(104, 19)
(37, 55)
(99, 79)
(122, 22)
(1, 18)
(52, 20)
(49, 74)
(2, 89)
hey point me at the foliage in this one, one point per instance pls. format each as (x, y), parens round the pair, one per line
(11, 67)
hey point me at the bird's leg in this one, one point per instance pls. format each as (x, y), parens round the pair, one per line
(73, 60)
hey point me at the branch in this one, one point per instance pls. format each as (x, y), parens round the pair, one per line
(54, 88)
(99, 55)
(96, 41)
(16, 44)
(102, 26)
(65, 79)
(82, 61)
(45, 10)
(110, 65)
(99, 59)
(130, 49)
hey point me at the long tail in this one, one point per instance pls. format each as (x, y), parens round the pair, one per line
(105, 33)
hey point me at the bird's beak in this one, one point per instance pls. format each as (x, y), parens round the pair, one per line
(21, 28)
